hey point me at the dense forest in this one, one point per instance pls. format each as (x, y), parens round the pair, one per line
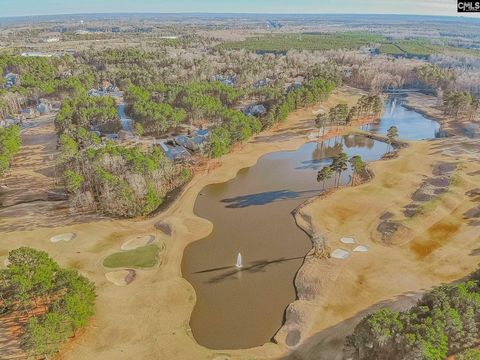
(58, 302)
(117, 180)
(92, 113)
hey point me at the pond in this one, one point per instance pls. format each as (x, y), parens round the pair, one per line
(411, 124)
(252, 215)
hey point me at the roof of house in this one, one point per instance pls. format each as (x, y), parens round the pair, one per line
(255, 110)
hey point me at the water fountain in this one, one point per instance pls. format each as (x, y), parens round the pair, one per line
(239, 264)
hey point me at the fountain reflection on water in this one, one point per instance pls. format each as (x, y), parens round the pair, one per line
(411, 125)
(253, 212)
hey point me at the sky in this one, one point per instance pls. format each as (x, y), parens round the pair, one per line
(50, 7)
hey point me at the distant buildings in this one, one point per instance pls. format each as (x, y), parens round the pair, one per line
(105, 88)
(66, 74)
(52, 40)
(8, 122)
(255, 110)
(227, 80)
(261, 83)
(44, 107)
(297, 84)
(37, 54)
(28, 113)
(11, 80)
(273, 24)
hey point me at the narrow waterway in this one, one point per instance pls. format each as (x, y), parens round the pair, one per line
(252, 215)
(411, 125)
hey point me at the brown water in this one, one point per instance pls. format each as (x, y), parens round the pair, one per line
(251, 214)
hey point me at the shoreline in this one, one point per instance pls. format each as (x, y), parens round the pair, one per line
(167, 281)
(299, 314)
(291, 144)
(321, 307)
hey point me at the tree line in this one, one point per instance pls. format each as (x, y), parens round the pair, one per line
(367, 106)
(461, 104)
(10, 142)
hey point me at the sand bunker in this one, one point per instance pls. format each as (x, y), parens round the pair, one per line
(164, 227)
(386, 215)
(472, 213)
(121, 277)
(340, 254)
(473, 192)
(444, 168)
(411, 210)
(361, 248)
(63, 237)
(389, 229)
(222, 357)
(137, 242)
(348, 240)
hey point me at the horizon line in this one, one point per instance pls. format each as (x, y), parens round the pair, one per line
(460, 15)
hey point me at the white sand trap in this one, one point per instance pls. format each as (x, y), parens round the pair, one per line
(63, 237)
(6, 262)
(361, 248)
(137, 242)
(121, 277)
(348, 240)
(340, 254)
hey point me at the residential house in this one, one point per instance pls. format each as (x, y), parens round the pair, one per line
(11, 80)
(261, 83)
(255, 110)
(227, 80)
(174, 152)
(44, 107)
(196, 143)
(28, 113)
